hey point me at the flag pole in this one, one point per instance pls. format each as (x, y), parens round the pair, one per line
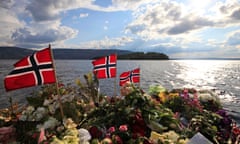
(139, 77)
(115, 86)
(58, 93)
(115, 80)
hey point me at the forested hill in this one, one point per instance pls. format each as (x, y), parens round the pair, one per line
(18, 53)
(14, 52)
(144, 56)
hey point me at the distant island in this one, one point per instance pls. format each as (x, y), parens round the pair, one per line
(60, 53)
(143, 56)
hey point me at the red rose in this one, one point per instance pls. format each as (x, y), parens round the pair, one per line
(95, 132)
(139, 126)
(138, 130)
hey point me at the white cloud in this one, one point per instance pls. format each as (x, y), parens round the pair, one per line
(83, 15)
(172, 20)
(105, 27)
(130, 4)
(234, 39)
(38, 35)
(6, 4)
(227, 13)
(8, 22)
(45, 10)
(106, 43)
(44, 28)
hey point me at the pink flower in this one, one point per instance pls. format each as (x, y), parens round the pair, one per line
(185, 91)
(123, 128)
(41, 136)
(176, 115)
(111, 129)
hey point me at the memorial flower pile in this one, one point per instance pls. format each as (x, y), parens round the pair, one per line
(156, 116)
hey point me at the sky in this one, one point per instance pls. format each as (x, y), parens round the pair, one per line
(178, 28)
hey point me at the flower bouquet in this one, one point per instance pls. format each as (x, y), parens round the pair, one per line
(157, 116)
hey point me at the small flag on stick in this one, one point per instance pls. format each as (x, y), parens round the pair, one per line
(132, 76)
(105, 67)
(33, 70)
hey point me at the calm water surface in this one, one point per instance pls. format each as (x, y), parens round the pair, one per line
(222, 75)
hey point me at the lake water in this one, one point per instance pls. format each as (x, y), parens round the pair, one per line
(222, 75)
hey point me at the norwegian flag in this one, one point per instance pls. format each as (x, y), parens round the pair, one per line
(132, 76)
(105, 67)
(33, 70)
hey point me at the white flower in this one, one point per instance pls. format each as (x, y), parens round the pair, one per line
(84, 136)
(68, 123)
(67, 98)
(50, 123)
(23, 117)
(47, 102)
(41, 110)
(40, 113)
(30, 109)
(38, 116)
(30, 118)
(206, 95)
(51, 109)
(39, 126)
(55, 97)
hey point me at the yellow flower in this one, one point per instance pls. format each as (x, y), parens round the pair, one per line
(173, 95)
(162, 97)
(172, 135)
(155, 137)
(183, 141)
(166, 137)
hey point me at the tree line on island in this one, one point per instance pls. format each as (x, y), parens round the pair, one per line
(144, 56)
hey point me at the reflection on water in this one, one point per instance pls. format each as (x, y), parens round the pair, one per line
(223, 76)
(201, 73)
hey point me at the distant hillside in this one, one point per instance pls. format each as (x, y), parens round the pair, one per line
(14, 52)
(144, 56)
(85, 53)
(18, 53)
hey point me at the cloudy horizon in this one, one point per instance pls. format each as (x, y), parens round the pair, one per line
(180, 29)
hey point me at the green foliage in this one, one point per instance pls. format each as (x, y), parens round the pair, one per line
(88, 91)
(156, 89)
(176, 104)
(206, 123)
(35, 101)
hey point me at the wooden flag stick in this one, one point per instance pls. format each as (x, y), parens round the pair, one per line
(115, 80)
(139, 84)
(58, 93)
(115, 86)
